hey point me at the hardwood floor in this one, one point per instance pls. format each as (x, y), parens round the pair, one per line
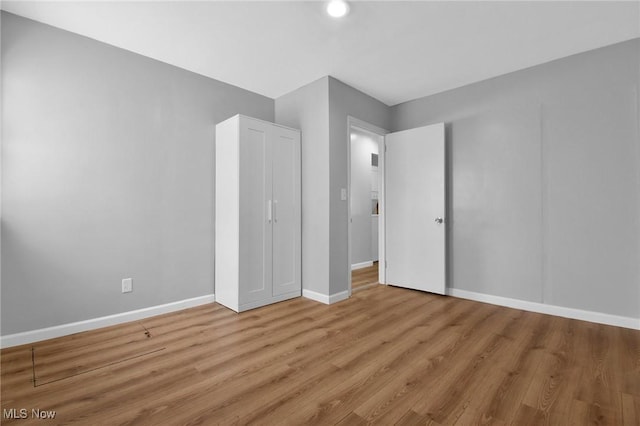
(386, 356)
(364, 277)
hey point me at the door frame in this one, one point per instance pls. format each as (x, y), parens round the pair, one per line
(380, 132)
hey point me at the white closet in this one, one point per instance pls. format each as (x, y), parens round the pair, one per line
(257, 223)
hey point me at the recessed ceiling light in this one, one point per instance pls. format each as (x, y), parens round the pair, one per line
(337, 8)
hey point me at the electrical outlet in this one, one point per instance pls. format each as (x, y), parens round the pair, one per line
(127, 285)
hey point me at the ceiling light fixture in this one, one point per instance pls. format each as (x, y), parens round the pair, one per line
(337, 8)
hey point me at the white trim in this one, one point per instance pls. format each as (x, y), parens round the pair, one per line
(560, 311)
(354, 121)
(313, 295)
(338, 297)
(362, 265)
(106, 321)
(323, 298)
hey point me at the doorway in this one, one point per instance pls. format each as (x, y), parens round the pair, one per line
(364, 277)
(366, 192)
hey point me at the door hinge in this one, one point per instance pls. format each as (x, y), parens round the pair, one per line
(386, 265)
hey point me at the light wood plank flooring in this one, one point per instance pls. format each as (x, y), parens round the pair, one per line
(364, 277)
(387, 356)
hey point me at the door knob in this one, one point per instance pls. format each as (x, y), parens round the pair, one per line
(439, 220)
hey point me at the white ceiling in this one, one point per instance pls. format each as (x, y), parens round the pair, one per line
(395, 51)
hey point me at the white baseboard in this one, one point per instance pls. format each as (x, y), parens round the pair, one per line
(362, 265)
(323, 298)
(560, 311)
(94, 323)
(318, 297)
(338, 297)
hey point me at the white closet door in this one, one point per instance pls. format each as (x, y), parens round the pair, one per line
(255, 210)
(415, 207)
(286, 211)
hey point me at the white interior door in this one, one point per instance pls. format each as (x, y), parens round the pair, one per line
(415, 208)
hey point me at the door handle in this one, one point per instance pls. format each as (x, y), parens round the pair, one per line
(269, 211)
(439, 220)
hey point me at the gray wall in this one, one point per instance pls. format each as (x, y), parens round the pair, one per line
(544, 167)
(107, 173)
(345, 101)
(307, 109)
(320, 110)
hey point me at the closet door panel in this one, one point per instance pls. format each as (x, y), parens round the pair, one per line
(255, 222)
(286, 219)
